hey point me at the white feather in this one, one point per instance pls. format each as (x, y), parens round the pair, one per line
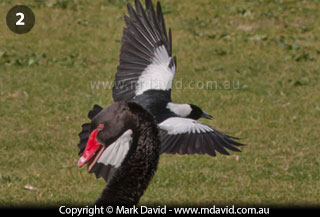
(177, 125)
(182, 110)
(158, 75)
(116, 152)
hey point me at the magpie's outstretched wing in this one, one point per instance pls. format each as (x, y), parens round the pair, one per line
(146, 61)
(187, 136)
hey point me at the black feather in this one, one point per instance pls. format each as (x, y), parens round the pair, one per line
(145, 31)
(95, 110)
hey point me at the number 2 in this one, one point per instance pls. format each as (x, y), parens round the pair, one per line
(19, 22)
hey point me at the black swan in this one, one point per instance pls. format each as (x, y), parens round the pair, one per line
(132, 178)
(144, 75)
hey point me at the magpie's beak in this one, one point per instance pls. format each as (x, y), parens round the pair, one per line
(206, 115)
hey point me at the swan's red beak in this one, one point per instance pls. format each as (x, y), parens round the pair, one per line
(93, 146)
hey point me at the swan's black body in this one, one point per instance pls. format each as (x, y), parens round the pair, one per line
(132, 178)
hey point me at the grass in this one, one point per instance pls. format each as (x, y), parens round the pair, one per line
(262, 55)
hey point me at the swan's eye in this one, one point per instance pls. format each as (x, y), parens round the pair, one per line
(100, 127)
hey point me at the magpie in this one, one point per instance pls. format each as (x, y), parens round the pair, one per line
(145, 75)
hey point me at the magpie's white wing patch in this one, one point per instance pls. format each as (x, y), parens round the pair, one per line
(113, 156)
(187, 136)
(158, 75)
(178, 125)
(146, 61)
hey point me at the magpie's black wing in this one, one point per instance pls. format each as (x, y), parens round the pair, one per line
(187, 136)
(146, 61)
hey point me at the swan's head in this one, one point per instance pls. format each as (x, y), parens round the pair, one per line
(106, 127)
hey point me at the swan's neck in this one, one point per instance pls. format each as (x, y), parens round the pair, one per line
(133, 176)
